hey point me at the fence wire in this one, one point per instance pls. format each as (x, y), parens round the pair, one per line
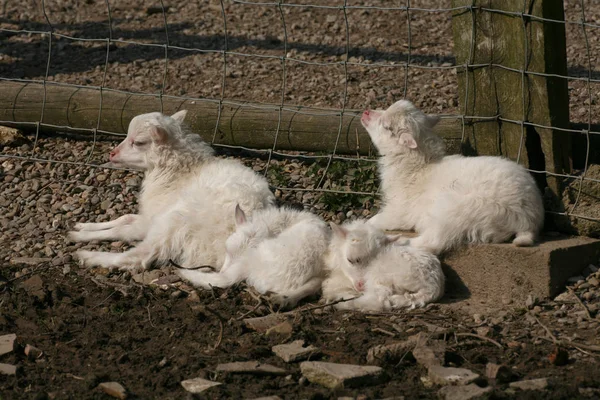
(247, 51)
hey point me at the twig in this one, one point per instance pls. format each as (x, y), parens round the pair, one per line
(79, 378)
(251, 311)
(220, 335)
(380, 330)
(554, 339)
(487, 339)
(105, 300)
(322, 305)
(576, 345)
(149, 316)
(587, 311)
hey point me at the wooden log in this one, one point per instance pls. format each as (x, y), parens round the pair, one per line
(244, 124)
(497, 43)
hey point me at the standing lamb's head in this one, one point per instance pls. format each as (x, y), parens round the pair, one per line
(248, 234)
(355, 245)
(149, 135)
(403, 128)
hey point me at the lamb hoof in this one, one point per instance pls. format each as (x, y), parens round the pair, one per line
(281, 301)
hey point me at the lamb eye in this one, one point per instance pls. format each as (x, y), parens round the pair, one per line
(140, 143)
(354, 261)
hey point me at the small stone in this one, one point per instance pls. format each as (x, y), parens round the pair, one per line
(193, 297)
(477, 318)
(294, 351)
(11, 137)
(32, 352)
(532, 384)
(467, 392)
(484, 331)
(132, 182)
(34, 286)
(530, 302)
(500, 373)
(101, 177)
(8, 369)
(451, 376)
(284, 328)
(113, 389)
(66, 269)
(430, 354)
(177, 294)
(29, 260)
(251, 367)
(105, 205)
(564, 297)
(392, 352)
(163, 362)
(262, 324)
(198, 385)
(335, 376)
(7, 343)
(594, 281)
(147, 277)
(574, 279)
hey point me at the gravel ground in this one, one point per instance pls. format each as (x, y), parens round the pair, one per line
(96, 326)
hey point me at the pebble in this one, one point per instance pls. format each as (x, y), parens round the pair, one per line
(532, 384)
(338, 376)
(8, 369)
(7, 343)
(467, 392)
(113, 389)
(198, 385)
(294, 351)
(451, 376)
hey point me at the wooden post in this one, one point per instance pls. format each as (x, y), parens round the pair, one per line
(248, 125)
(498, 43)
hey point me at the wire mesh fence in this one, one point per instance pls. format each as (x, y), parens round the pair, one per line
(283, 61)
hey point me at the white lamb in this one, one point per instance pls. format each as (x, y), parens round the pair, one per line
(185, 203)
(277, 250)
(382, 274)
(448, 200)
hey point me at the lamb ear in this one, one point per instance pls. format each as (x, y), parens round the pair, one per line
(407, 139)
(338, 230)
(240, 216)
(432, 120)
(179, 116)
(159, 134)
(392, 238)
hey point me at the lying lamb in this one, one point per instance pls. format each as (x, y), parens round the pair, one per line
(378, 272)
(186, 198)
(448, 200)
(277, 250)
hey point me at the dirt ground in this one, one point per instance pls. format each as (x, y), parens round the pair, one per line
(97, 326)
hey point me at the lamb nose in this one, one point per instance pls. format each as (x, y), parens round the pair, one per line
(112, 154)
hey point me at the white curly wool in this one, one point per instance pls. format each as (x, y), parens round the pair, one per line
(186, 200)
(375, 272)
(277, 250)
(448, 200)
